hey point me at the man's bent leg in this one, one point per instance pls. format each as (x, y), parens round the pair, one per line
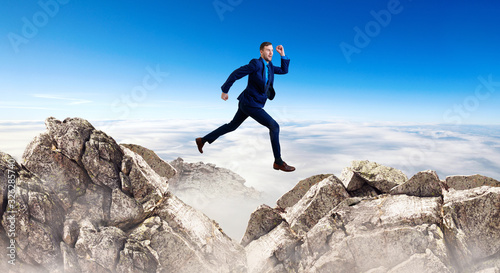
(238, 119)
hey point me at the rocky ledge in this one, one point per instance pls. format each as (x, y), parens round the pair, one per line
(79, 202)
(374, 219)
(83, 203)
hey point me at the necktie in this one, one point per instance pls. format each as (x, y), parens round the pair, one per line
(266, 72)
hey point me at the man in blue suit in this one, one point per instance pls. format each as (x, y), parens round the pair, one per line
(252, 100)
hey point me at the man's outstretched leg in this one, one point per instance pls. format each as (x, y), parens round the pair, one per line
(238, 119)
(262, 117)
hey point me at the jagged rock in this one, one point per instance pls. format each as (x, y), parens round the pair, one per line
(70, 259)
(426, 262)
(9, 169)
(36, 219)
(365, 191)
(317, 202)
(102, 159)
(379, 232)
(70, 232)
(351, 180)
(471, 224)
(147, 187)
(80, 195)
(262, 220)
(464, 182)
(136, 258)
(381, 177)
(69, 136)
(294, 195)
(124, 211)
(59, 173)
(94, 206)
(271, 250)
(85, 204)
(209, 181)
(98, 249)
(423, 184)
(161, 167)
(196, 231)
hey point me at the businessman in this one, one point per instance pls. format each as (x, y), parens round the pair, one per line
(252, 100)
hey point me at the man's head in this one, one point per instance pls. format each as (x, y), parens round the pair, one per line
(266, 51)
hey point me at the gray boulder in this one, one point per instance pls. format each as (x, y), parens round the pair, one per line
(423, 184)
(317, 202)
(294, 195)
(209, 181)
(471, 224)
(102, 159)
(387, 232)
(262, 220)
(272, 250)
(85, 204)
(162, 168)
(60, 173)
(466, 182)
(380, 177)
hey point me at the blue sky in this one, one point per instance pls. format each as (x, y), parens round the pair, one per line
(408, 61)
(371, 80)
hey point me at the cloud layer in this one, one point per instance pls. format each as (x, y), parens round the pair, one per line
(312, 147)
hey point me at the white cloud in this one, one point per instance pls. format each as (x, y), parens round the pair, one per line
(314, 148)
(70, 101)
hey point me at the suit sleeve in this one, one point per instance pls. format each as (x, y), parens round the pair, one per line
(238, 74)
(285, 62)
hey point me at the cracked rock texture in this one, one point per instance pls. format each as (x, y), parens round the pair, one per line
(374, 219)
(83, 203)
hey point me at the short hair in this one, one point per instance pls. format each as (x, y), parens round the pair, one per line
(264, 44)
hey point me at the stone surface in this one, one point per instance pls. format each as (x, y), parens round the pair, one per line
(209, 181)
(318, 201)
(465, 182)
(85, 204)
(472, 224)
(262, 220)
(82, 203)
(271, 249)
(423, 184)
(102, 160)
(351, 180)
(380, 232)
(381, 177)
(145, 185)
(162, 168)
(294, 195)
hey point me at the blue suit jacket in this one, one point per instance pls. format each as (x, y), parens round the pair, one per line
(254, 94)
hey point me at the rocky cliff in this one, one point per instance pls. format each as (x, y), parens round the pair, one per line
(373, 219)
(79, 202)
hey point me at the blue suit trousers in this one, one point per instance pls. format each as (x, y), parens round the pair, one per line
(259, 115)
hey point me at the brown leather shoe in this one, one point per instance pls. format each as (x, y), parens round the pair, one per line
(284, 167)
(200, 142)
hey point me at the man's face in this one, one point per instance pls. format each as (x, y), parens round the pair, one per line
(267, 53)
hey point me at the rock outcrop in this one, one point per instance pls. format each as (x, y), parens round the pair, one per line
(208, 181)
(79, 202)
(82, 203)
(374, 219)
